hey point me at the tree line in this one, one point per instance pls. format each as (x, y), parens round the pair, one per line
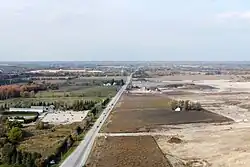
(185, 105)
(27, 90)
(77, 105)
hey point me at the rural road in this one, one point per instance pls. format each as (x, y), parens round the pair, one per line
(80, 155)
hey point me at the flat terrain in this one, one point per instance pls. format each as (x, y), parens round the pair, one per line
(127, 152)
(79, 91)
(212, 145)
(216, 136)
(45, 141)
(65, 117)
(66, 94)
(130, 102)
(141, 113)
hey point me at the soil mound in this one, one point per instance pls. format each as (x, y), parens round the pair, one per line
(175, 140)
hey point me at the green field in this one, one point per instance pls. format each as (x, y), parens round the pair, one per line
(77, 91)
(19, 113)
(67, 95)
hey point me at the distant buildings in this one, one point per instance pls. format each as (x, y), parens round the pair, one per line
(66, 71)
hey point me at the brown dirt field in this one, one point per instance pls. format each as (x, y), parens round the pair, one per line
(144, 120)
(130, 151)
(130, 101)
(141, 113)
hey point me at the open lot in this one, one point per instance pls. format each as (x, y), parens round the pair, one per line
(141, 113)
(127, 152)
(65, 117)
(208, 145)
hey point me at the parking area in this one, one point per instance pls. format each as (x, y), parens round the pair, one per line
(65, 117)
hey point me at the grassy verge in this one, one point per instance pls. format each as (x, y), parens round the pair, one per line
(71, 150)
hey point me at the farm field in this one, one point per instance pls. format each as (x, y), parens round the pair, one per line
(79, 91)
(139, 151)
(216, 136)
(130, 102)
(141, 113)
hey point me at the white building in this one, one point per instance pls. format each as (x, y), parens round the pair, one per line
(178, 109)
(44, 108)
(26, 110)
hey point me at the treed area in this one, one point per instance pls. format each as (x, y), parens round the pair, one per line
(13, 133)
(27, 90)
(185, 105)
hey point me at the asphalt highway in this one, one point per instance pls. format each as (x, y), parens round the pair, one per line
(80, 155)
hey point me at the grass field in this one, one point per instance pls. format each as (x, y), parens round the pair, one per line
(67, 94)
(79, 91)
(45, 141)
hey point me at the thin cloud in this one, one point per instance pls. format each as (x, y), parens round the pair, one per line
(234, 15)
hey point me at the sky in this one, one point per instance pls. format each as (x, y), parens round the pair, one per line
(122, 30)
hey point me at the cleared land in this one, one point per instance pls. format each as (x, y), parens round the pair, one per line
(65, 117)
(216, 137)
(213, 145)
(208, 144)
(141, 113)
(127, 152)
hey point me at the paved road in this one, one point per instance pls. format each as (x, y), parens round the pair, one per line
(79, 157)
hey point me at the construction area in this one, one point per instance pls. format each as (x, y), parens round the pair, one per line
(143, 126)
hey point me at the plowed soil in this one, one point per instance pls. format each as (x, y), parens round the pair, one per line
(141, 113)
(139, 151)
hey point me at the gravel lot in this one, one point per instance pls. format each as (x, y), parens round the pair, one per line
(65, 117)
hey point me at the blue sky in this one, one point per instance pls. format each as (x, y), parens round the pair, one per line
(215, 30)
